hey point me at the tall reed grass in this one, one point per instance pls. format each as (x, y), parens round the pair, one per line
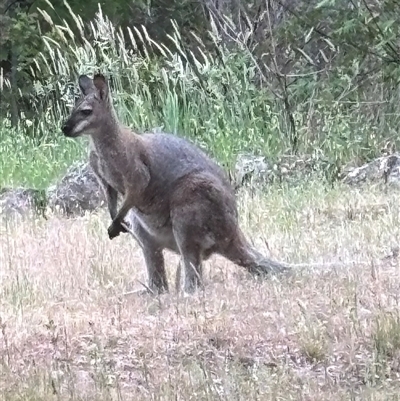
(212, 97)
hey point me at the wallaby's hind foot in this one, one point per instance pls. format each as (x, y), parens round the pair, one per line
(243, 254)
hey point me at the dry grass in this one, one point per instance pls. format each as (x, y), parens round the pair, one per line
(71, 331)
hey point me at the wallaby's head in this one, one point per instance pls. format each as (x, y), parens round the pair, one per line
(92, 110)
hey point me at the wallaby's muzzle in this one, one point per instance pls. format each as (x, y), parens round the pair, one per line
(67, 129)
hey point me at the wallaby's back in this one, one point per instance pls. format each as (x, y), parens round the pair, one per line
(172, 157)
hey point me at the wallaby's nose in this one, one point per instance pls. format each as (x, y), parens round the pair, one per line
(65, 128)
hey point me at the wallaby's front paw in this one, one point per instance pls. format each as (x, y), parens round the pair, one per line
(114, 230)
(123, 229)
(127, 225)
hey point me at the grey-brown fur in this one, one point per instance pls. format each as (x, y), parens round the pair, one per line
(181, 199)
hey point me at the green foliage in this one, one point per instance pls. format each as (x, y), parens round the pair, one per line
(215, 101)
(322, 79)
(29, 162)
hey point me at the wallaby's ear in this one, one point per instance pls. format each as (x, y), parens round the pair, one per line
(86, 84)
(100, 83)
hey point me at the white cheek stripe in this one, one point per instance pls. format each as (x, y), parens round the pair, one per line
(79, 127)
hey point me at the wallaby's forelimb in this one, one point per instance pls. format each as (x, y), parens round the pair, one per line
(141, 178)
(112, 201)
(130, 200)
(116, 226)
(110, 192)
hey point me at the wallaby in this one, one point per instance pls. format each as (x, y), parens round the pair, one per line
(180, 199)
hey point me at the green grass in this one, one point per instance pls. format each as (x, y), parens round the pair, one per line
(32, 163)
(215, 100)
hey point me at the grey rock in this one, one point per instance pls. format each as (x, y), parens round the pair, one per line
(251, 170)
(254, 171)
(17, 202)
(78, 192)
(384, 169)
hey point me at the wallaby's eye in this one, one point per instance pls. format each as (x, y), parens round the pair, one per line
(86, 112)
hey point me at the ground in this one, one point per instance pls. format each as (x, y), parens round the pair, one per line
(72, 326)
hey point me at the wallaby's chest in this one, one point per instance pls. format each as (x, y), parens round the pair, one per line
(109, 168)
(113, 177)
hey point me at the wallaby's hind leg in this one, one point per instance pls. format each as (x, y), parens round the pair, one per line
(201, 216)
(178, 276)
(204, 221)
(154, 259)
(157, 277)
(191, 260)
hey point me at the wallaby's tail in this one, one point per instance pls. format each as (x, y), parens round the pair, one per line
(243, 254)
